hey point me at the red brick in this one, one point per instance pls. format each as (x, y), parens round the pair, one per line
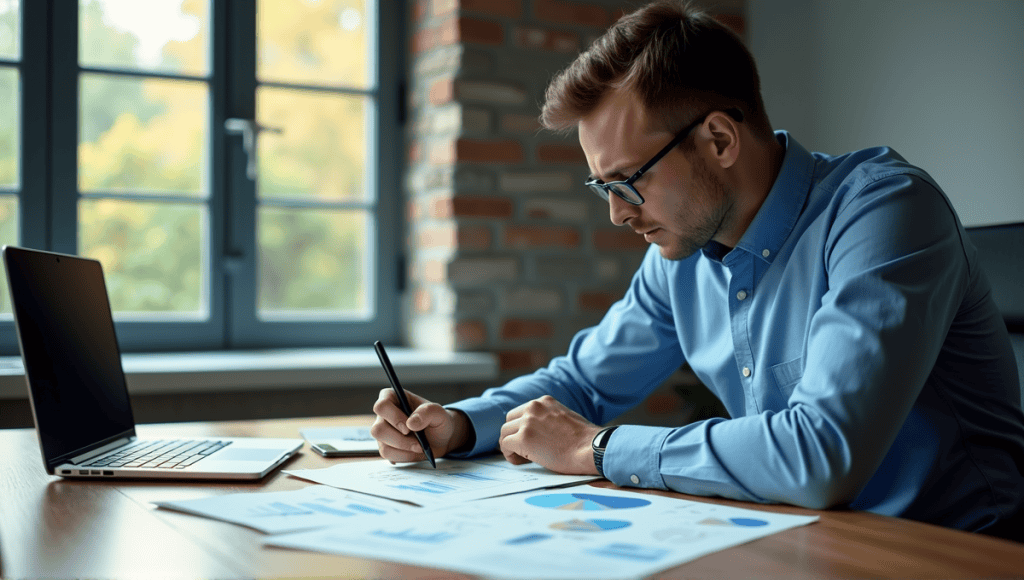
(473, 237)
(470, 333)
(571, 13)
(541, 236)
(506, 8)
(618, 239)
(422, 302)
(488, 151)
(421, 9)
(470, 30)
(560, 153)
(521, 360)
(519, 329)
(442, 91)
(596, 301)
(424, 40)
(480, 206)
(736, 22)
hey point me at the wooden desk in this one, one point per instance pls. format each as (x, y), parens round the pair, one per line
(57, 528)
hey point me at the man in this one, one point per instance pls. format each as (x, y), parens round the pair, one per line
(833, 304)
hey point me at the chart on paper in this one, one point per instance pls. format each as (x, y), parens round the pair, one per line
(276, 512)
(452, 481)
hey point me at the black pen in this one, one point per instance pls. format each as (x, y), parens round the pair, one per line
(402, 399)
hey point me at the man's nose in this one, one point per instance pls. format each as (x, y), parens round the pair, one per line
(620, 211)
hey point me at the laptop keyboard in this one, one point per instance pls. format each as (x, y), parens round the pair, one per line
(161, 454)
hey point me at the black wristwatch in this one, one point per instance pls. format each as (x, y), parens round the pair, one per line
(600, 443)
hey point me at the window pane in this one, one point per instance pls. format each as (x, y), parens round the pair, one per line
(313, 260)
(321, 151)
(10, 29)
(169, 36)
(152, 253)
(8, 235)
(10, 113)
(314, 43)
(142, 135)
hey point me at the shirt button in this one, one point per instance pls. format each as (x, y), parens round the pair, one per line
(766, 253)
(634, 479)
(746, 371)
(742, 295)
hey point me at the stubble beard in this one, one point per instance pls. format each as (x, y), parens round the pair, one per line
(708, 211)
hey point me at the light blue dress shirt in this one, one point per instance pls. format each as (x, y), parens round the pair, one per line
(850, 335)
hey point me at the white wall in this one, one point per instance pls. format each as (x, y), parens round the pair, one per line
(941, 82)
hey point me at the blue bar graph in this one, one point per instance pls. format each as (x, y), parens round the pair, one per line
(324, 509)
(365, 509)
(428, 487)
(410, 535)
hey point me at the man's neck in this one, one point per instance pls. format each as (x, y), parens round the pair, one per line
(755, 179)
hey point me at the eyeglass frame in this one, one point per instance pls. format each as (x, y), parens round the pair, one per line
(601, 188)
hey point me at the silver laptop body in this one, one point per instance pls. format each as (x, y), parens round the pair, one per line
(77, 388)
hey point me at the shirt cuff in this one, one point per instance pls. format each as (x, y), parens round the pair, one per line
(632, 457)
(486, 419)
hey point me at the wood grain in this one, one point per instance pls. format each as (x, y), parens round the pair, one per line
(57, 528)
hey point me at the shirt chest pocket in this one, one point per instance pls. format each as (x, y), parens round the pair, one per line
(782, 379)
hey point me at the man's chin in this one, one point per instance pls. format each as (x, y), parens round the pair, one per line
(675, 253)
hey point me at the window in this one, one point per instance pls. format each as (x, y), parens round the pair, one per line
(232, 164)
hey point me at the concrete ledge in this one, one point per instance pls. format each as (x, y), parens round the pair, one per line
(232, 371)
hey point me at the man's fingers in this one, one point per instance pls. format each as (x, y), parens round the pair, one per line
(399, 455)
(427, 415)
(386, 407)
(386, 434)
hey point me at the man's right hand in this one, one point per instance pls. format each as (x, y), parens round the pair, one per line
(446, 430)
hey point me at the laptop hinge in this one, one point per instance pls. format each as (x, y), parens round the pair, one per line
(100, 450)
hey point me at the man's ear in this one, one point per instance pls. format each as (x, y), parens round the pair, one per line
(725, 138)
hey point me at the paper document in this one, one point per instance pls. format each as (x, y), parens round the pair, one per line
(576, 532)
(453, 481)
(340, 441)
(274, 512)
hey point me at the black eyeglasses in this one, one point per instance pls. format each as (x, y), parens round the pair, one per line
(625, 189)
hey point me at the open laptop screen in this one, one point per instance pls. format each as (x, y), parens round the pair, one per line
(72, 361)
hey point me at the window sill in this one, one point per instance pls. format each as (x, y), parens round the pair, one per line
(163, 373)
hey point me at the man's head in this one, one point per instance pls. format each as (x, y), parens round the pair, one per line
(674, 94)
(676, 60)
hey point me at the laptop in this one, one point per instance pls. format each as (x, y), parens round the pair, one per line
(77, 388)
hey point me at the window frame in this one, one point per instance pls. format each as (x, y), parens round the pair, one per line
(49, 196)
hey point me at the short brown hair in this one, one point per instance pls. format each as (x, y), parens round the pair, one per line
(678, 60)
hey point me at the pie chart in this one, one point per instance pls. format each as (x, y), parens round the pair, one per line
(585, 501)
(742, 522)
(576, 525)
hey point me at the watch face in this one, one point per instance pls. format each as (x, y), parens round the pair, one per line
(601, 439)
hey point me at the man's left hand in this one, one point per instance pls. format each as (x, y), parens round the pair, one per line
(545, 431)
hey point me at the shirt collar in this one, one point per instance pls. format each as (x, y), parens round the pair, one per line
(781, 208)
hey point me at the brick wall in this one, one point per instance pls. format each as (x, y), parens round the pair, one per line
(508, 252)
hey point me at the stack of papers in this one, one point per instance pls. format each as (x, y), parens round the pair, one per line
(577, 532)
(453, 481)
(479, 516)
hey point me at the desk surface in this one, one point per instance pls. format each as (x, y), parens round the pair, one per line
(54, 528)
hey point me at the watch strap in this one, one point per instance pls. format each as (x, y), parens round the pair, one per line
(599, 444)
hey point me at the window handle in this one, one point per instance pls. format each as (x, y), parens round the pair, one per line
(250, 130)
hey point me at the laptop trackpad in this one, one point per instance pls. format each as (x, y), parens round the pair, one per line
(245, 454)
